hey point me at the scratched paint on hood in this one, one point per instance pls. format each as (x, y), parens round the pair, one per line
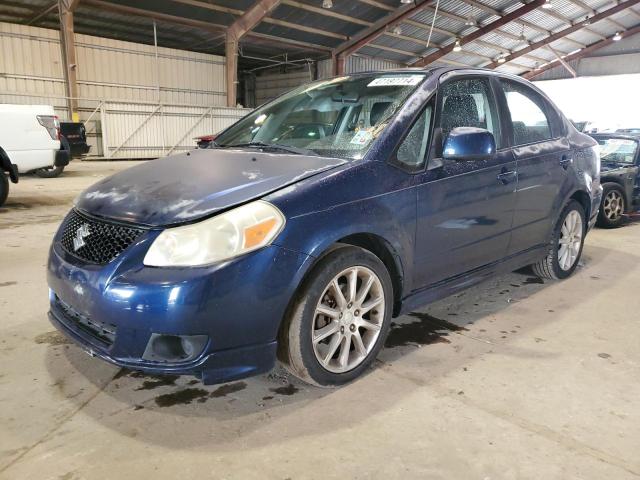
(183, 188)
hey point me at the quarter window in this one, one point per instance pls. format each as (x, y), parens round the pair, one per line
(468, 103)
(413, 149)
(530, 122)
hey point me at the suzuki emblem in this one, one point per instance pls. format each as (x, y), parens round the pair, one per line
(81, 234)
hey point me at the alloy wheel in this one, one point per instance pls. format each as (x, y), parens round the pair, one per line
(570, 240)
(613, 205)
(348, 319)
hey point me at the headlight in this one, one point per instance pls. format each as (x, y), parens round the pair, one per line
(236, 232)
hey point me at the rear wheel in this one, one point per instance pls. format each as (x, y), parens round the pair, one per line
(339, 319)
(4, 188)
(565, 247)
(50, 172)
(612, 207)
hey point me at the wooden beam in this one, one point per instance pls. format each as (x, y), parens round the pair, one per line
(581, 54)
(238, 29)
(563, 33)
(480, 32)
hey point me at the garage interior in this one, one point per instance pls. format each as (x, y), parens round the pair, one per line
(515, 378)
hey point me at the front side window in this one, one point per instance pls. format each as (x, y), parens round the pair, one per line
(618, 150)
(340, 117)
(530, 122)
(468, 103)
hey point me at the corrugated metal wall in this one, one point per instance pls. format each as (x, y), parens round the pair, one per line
(132, 128)
(357, 64)
(118, 88)
(269, 86)
(108, 69)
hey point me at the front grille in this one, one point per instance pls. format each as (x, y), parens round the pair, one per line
(105, 332)
(96, 241)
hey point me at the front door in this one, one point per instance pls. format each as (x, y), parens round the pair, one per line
(464, 208)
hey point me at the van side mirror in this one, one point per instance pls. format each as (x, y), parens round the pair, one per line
(469, 143)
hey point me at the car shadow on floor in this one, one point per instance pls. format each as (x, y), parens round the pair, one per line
(429, 343)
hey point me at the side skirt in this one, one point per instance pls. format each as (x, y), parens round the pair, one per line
(466, 280)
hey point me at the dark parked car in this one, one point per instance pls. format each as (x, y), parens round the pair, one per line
(214, 262)
(634, 132)
(76, 135)
(620, 177)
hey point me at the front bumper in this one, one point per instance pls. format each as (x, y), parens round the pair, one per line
(237, 304)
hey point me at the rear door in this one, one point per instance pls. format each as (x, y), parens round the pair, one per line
(464, 208)
(543, 156)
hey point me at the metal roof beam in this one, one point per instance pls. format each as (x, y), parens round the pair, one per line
(581, 54)
(42, 13)
(563, 33)
(481, 31)
(190, 22)
(351, 46)
(273, 21)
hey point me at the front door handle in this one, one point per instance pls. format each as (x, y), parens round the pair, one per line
(565, 161)
(507, 176)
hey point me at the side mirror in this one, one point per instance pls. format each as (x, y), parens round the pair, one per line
(469, 143)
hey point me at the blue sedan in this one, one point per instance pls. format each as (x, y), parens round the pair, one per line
(310, 223)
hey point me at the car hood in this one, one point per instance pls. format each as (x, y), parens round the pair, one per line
(183, 188)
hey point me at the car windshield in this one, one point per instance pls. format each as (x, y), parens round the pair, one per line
(340, 117)
(618, 150)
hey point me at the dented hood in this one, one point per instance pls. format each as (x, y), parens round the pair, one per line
(183, 188)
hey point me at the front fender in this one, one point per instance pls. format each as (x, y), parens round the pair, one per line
(7, 166)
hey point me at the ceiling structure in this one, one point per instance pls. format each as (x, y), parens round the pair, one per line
(515, 36)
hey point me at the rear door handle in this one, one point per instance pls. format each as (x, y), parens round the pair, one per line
(507, 176)
(565, 161)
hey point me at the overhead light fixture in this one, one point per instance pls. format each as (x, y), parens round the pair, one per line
(587, 20)
(547, 5)
(406, 2)
(501, 57)
(397, 30)
(327, 4)
(536, 66)
(457, 47)
(470, 22)
(617, 37)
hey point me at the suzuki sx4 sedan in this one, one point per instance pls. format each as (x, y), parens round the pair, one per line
(318, 217)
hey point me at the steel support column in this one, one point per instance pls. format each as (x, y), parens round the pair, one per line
(235, 32)
(68, 49)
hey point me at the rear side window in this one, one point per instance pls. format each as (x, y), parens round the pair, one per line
(530, 120)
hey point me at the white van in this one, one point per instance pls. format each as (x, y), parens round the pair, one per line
(30, 139)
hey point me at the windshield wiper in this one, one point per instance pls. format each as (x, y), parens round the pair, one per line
(273, 146)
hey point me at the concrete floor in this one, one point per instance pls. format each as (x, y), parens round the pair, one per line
(527, 381)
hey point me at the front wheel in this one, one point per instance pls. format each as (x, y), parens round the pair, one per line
(339, 319)
(566, 244)
(612, 207)
(50, 172)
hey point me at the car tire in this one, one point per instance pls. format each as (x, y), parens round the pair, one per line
(51, 172)
(351, 339)
(4, 188)
(612, 207)
(569, 232)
